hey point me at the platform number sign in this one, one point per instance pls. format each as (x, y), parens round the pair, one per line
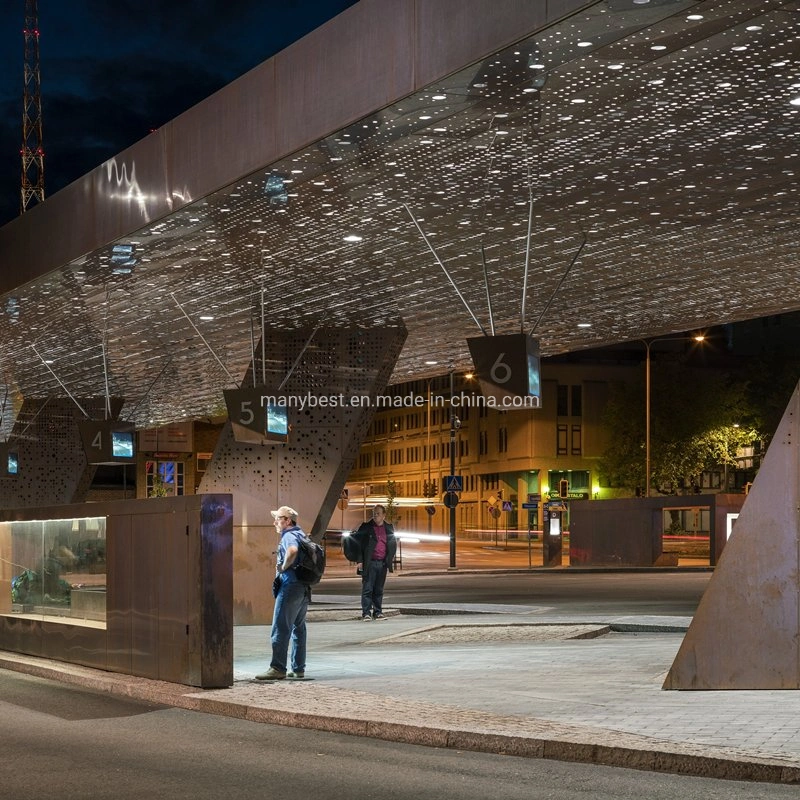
(256, 416)
(508, 370)
(108, 441)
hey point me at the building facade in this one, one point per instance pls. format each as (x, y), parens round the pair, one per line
(505, 458)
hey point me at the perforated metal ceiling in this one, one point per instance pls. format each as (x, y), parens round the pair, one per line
(667, 133)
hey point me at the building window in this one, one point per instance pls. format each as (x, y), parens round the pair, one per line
(365, 461)
(502, 440)
(396, 456)
(561, 440)
(483, 443)
(463, 448)
(396, 424)
(562, 401)
(577, 401)
(380, 459)
(378, 427)
(575, 440)
(164, 478)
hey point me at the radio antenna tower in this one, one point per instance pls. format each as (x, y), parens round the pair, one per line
(32, 153)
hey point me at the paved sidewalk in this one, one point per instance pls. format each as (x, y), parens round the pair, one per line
(503, 679)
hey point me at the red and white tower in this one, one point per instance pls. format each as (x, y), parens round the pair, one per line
(32, 153)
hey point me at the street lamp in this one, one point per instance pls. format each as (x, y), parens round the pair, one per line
(454, 425)
(648, 343)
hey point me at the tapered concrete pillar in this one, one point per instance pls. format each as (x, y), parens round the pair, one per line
(746, 632)
(323, 369)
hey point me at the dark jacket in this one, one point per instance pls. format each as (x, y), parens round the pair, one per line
(365, 536)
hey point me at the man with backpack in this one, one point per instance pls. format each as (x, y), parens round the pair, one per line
(291, 602)
(378, 546)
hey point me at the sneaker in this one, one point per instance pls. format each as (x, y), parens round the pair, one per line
(380, 616)
(296, 675)
(366, 618)
(271, 674)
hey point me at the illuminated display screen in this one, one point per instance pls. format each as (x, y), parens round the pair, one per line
(122, 444)
(13, 463)
(277, 420)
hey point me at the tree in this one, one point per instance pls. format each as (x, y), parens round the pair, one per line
(392, 516)
(699, 418)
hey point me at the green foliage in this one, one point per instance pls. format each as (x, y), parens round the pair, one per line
(698, 420)
(158, 489)
(392, 515)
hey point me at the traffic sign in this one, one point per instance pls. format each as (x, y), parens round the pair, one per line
(534, 498)
(454, 483)
(532, 506)
(450, 499)
(494, 512)
(508, 505)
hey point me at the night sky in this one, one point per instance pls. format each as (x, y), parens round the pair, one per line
(113, 70)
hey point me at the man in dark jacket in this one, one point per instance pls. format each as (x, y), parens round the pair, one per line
(378, 547)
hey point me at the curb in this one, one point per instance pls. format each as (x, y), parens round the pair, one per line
(553, 741)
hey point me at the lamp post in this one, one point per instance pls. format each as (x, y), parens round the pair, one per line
(648, 343)
(453, 428)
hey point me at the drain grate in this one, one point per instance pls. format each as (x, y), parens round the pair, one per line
(495, 632)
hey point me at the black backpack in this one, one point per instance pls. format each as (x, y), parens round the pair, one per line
(310, 562)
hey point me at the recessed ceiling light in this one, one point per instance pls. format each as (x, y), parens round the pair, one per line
(584, 324)
(658, 47)
(206, 318)
(615, 66)
(694, 17)
(584, 44)
(753, 28)
(431, 363)
(440, 97)
(353, 237)
(795, 101)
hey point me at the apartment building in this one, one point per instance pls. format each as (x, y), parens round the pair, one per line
(504, 457)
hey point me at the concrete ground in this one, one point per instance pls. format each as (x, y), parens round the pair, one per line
(505, 679)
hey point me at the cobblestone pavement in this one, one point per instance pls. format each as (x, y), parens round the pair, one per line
(451, 681)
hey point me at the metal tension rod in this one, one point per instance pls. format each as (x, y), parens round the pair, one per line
(61, 384)
(488, 293)
(210, 349)
(444, 269)
(563, 277)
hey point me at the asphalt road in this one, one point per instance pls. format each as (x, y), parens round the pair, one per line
(75, 744)
(579, 593)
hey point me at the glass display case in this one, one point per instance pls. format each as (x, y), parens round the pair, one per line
(54, 569)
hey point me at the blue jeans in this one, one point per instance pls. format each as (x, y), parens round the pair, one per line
(289, 624)
(372, 582)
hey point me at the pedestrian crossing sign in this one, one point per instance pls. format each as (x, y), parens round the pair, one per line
(454, 483)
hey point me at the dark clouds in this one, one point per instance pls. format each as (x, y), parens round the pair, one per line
(113, 71)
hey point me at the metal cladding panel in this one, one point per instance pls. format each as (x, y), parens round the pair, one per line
(361, 60)
(232, 133)
(452, 33)
(175, 580)
(145, 567)
(21, 635)
(119, 597)
(213, 539)
(76, 644)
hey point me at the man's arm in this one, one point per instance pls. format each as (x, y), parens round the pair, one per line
(288, 558)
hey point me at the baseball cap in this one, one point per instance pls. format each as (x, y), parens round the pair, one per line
(284, 511)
